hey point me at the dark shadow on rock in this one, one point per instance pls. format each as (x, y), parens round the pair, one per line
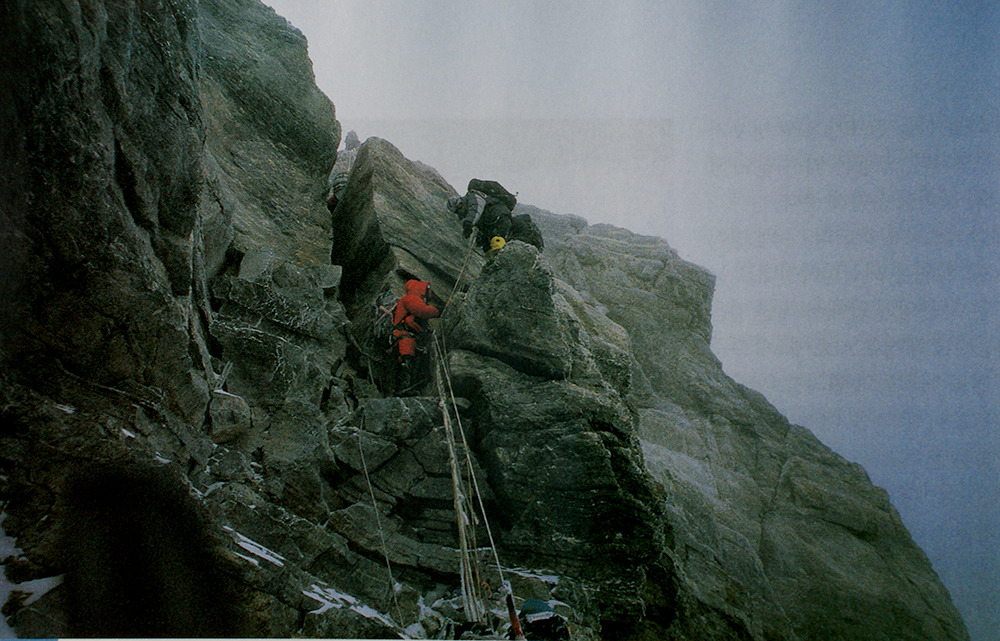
(139, 558)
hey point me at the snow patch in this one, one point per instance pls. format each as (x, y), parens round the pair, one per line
(255, 548)
(329, 598)
(551, 579)
(332, 599)
(35, 589)
(7, 549)
(248, 559)
(39, 587)
(213, 487)
(425, 611)
(69, 409)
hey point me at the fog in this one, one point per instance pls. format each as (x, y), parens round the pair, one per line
(834, 165)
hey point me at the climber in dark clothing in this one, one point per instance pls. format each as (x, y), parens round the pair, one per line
(524, 229)
(487, 209)
(479, 213)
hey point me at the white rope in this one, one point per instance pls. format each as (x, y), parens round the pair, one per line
(469, 592)
(473, 606)
(461, 272)
(468, 459)
(378, 523)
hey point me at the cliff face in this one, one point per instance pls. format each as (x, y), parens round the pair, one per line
(196, 413)
(770, 525)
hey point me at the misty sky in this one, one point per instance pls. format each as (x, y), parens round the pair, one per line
(834, 164)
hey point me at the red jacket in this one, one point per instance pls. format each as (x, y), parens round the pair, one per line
(412, 307)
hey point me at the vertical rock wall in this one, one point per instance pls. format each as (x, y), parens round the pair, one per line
(150, 146)
(107, 131)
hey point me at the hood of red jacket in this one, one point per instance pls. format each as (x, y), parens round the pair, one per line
(418, 287)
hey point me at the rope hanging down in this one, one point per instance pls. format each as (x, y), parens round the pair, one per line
(468, 458)
(471, 597)
(461, 273)
(378, 524)
(465, 513)
(471, 582)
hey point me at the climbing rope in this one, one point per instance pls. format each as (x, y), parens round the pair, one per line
(461, 272)
(470, 595)
(378, 524)
(471, 582)
(441, 355)
(469, 592)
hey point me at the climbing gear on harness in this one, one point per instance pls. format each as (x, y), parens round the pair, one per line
(497, 243)
(385, 307)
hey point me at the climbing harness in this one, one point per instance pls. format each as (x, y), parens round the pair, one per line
(384, 310)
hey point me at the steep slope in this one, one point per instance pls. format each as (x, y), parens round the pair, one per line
(191, 388)
(773, 523)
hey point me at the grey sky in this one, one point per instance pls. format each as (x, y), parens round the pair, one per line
(834, 164)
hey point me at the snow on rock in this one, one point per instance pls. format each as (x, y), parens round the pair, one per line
(255, 548)
(330, 599)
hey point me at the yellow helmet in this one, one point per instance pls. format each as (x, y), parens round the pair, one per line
(497, 243)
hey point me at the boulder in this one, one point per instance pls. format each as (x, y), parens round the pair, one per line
(556, 437)
(393, 224)
(510, 314)
(230, 416)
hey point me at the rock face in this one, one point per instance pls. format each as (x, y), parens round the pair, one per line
(557, 440)
(192, 386)
(392, 224)
(268, 130)
(769, 525)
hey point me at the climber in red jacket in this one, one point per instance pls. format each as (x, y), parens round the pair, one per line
(407, 318)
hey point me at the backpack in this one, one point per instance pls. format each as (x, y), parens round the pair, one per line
(494, 190)
(525, 229)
